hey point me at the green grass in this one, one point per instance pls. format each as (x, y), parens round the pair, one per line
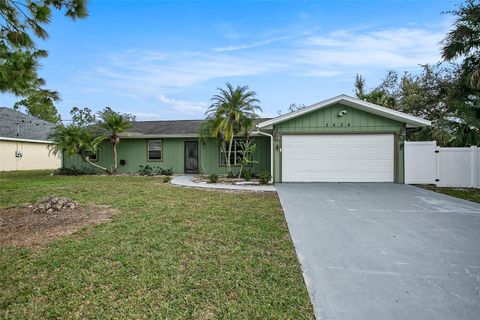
(171, 253)
(469, 194)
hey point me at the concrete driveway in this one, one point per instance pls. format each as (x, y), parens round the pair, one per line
(385, 251)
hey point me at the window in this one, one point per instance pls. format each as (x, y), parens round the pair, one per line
(235, 156)
(92, 156)
(155, 150)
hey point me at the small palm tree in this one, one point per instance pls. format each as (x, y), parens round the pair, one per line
(114, 123)
(233, 111)
(75, 140)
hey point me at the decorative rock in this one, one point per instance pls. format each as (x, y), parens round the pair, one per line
(54, 204)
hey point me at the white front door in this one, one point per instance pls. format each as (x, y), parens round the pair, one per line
(338, 158)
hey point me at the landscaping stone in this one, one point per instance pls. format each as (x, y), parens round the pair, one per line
(191, 181)
(53, 204)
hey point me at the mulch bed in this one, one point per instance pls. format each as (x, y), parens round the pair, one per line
(223, 179)
(21, 227)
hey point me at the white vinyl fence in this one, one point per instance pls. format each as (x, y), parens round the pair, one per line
(425, 163)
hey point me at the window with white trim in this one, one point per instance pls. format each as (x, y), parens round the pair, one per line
(236, 154)
(155, 150)
(92, 156)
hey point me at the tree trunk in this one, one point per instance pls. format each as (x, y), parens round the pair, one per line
(94, 164)
(115, 165)
(245, 146)
(229, 154)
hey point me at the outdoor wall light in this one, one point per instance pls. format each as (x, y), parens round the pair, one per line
(342, 113)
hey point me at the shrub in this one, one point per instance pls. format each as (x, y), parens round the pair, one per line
(145, 170)
(166, 172)
(247, 175)
(166, 179)
(213, 178)
(265, 177)
(73, 171)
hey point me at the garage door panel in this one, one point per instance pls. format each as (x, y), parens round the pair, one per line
(338, 158)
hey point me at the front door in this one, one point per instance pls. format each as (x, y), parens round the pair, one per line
(191, 156)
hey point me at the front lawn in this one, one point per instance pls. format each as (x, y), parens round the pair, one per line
(470, 194)
(169, 253)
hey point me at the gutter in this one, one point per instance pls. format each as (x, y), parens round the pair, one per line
(26, 140)
(271, 150)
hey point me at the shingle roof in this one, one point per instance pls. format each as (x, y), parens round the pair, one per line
(168, 127)
(171, 127)
(27, 127)
(37, 129)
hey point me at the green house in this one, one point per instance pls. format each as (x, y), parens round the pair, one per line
(342, 139)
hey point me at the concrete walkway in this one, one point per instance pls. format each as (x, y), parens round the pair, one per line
(187, 181)
(376, 251)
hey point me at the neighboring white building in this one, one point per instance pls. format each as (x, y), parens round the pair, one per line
(24, 142)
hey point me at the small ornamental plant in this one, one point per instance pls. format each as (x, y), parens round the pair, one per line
(213, 178)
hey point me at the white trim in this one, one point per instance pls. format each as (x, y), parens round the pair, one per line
(271, 151)
(153, 136)
(410, 120)
(148, 149)
(161, 136)
(26, 140)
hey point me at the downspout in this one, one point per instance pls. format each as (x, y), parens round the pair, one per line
(271, 150)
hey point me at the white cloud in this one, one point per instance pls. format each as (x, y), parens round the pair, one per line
(249, 45)
(390, 48)
(142, 116)
(188, 107)
(156, 75)
(127, 95)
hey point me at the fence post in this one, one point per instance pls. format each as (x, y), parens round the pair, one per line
(473, 167)
(438, 180)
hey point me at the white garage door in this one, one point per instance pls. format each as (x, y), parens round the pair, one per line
(338, 158)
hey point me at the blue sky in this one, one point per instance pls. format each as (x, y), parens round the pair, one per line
(164, 60)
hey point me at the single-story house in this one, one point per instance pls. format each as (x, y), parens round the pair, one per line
(342, 139)
(24, 142)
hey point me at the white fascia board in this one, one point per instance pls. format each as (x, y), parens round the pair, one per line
(158, 136)
(26, 140)
(410, 120)
(148, 136)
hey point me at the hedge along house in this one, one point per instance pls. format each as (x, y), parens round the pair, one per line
(342, 139)
(173, 144)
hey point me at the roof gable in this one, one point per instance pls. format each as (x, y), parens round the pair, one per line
(409, 120)
(328, 119)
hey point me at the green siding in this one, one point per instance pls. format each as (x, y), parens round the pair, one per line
(326, 120)
(134, 152)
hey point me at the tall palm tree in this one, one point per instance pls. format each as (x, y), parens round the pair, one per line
(75, 140)
(231, 110)
(114, 123)
(464, 41)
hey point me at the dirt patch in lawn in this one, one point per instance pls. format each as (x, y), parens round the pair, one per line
(27, 227)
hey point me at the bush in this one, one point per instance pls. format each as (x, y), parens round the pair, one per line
(166, 179)
(166, 172)
(73, 171)
(145, 170)
(247, 175)
(213, 178)
(265, 177)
